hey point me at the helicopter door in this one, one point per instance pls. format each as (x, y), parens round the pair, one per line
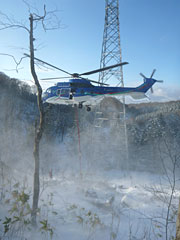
(65, 93)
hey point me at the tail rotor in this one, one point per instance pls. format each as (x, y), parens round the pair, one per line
(152, 74)
(142, 75)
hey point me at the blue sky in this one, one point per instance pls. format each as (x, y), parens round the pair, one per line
(150, 38)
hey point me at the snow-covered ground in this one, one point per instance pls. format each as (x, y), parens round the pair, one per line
(99, 205)
(110, 205)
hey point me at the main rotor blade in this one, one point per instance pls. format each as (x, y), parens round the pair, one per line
(152, 74)
(48, 64)
(160, 81)
(142, 75)
(53, 78)
(103, 69)
(105, 84)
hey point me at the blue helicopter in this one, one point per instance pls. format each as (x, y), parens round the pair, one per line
(81, 92)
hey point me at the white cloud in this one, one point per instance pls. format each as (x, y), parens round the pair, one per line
(162, 94)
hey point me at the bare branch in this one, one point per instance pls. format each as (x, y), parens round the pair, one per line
(10, 23)
(16, 62)
(43, 67)
(12, 70)
(37, 17)
(48, 20)
(52, 21)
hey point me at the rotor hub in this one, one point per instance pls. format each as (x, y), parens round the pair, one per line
(75, 75)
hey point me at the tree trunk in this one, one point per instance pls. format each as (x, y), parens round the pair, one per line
(39, 128)
(178, 224)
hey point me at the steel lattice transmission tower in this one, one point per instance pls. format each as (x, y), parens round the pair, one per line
(111, 54)
(111, 48)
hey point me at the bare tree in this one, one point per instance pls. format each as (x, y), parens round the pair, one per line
(39, 130)
(34, 19)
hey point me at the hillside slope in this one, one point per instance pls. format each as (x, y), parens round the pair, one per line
(150, 128)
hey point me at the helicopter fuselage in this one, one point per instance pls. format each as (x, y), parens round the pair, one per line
(81, 91)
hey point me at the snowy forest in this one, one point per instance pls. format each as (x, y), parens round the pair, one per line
(92, 185)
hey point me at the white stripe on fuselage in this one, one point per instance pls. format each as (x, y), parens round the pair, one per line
(91, 100)
(88, 100)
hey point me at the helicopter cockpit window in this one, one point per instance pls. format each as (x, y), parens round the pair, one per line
(48, 90)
